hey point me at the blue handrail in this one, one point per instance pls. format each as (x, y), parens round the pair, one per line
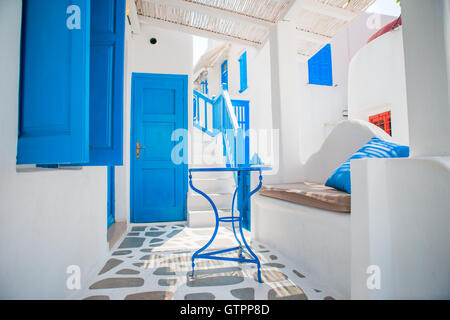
(202, 104)
(226, 116)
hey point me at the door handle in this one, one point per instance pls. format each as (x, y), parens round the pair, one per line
(138, 150)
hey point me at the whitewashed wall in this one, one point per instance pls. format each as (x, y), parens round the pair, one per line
(49, 219)
(171, 55)
(400, 207)
(377, 83)
(400, 224)
(322, 106)
(427, 61)
(316, 109)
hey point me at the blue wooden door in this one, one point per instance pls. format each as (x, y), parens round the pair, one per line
(158, 185)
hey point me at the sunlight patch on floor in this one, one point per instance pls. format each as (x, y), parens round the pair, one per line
(154, 262)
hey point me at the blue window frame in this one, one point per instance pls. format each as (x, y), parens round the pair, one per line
(224, 74)
(204, 87)
(320, 67)
(71, 82)
(243, 72)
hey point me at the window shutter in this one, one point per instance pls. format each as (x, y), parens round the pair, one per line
(243, 72)
(106, 82)
(224, 77)
(54, 85)
(320, 67)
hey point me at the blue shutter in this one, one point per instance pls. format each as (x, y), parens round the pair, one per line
(320, 67)
(224, 73)
(106, 82)
(54, 85)
(243, 72)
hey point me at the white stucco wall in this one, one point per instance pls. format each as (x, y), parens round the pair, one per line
(308, 113)
(259, 75)
(400, 207)
(377, 83)
(400, 223)
(426, 36)
(49, 219)
(172, 54)
(322, 106)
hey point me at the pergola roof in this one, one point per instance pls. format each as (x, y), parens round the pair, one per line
(249, 21)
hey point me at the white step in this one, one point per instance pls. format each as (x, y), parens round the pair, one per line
(212, 174)
(214, 185)
(198, 202)
(206, 218)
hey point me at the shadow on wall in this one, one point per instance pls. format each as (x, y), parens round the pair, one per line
(346, 138)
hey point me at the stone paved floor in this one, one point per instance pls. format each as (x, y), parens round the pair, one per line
(153, 262)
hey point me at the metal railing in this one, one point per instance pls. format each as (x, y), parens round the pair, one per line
(226, 116)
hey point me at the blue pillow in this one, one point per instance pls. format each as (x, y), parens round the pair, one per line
(375, 148)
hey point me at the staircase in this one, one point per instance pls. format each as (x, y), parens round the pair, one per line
(219, 141)
(219, 186)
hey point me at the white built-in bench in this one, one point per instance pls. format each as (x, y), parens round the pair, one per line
(316, 238)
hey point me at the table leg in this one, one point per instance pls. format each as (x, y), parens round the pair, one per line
(258, 263)
(232, 216)
(240, 248)
(215, 230)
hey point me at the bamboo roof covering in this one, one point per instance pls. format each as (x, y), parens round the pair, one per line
(249, 21)
(316, 25)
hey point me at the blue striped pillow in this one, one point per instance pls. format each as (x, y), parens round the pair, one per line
(375, 148)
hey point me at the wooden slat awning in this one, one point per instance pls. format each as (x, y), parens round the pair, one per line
(249, 21)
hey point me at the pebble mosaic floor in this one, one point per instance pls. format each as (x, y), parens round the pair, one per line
(154, 262)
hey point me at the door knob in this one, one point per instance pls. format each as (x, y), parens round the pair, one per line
(138, 150)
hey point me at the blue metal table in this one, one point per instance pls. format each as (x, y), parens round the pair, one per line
(240, 248)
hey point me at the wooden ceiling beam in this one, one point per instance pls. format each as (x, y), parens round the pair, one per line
(196, 31)
(214, 11)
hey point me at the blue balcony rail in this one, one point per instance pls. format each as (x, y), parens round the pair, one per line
(230, 118)
(241, 110)
(203, 106)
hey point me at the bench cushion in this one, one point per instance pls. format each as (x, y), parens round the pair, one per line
(309, 194)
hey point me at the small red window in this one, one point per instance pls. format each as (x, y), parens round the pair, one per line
(382, 120)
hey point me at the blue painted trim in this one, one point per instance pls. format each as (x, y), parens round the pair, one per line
(134, 77)
(111, 196)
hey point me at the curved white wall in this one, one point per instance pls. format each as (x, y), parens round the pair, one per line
(377, 83)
